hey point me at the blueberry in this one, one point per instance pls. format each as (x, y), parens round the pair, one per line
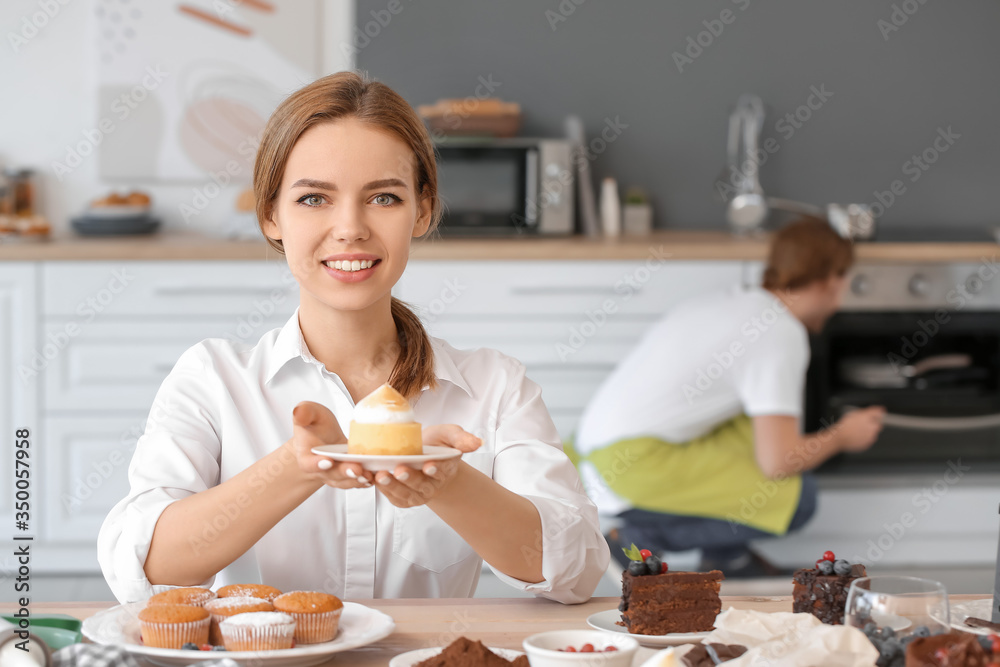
(190, 646)
(825, 567)
(892, 647)
(842, 568)
(218, 648)
(653, 564)
(907, 639)
(922, 631)
(637, 568)
(887, 633)
(986, 643)
(870, 629)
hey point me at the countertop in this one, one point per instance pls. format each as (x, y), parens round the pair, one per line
(676, 245)
(502, 623)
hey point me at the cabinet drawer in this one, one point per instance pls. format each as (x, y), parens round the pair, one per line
(87, 290)
(455, 289)
(119, 366)
(558, 343)
(85, 472)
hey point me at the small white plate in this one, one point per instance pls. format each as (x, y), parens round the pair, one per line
(607, 621)
(411, 658)
(374, 462)
(972, 609)
(359, 626)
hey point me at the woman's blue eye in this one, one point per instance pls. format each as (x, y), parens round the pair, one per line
(310, 200)
(387, 199)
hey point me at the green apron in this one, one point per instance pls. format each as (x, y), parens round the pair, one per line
(715, 476)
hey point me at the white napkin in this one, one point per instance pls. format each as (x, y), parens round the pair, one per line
(784, 639)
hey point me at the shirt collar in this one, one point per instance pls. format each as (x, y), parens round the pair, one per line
(290, 344)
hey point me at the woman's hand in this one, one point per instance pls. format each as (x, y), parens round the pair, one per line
(315, 425)
(407, 487)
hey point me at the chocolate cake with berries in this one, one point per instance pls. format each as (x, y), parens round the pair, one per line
(656, 601)
(952, 649)
(822, 590)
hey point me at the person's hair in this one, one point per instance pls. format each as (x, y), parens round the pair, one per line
(351, 95)
(805, 251)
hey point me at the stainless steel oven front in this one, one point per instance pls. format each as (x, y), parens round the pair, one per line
(924, 341)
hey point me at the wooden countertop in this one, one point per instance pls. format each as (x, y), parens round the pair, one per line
(502, 623)
(676, 245)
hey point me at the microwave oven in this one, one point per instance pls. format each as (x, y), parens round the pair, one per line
(505, 186)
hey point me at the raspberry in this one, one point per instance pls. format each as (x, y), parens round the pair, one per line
(828, 555)
(645, 553)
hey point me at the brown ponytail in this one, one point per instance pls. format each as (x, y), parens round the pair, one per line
(350, 95)
(414, 367)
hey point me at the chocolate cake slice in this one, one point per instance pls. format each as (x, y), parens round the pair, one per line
(660, 604)
(822, 592)
(709, 655)
(950, 649)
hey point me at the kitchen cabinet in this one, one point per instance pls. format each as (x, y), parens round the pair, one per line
(18, 383)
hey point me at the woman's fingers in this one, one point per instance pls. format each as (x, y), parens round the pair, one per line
(316, 422)
(451, 435)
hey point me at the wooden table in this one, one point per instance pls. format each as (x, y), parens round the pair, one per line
(503, 622)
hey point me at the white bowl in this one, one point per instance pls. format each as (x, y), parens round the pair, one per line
(543, 649)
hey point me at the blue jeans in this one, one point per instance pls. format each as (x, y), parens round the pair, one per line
(719, 540)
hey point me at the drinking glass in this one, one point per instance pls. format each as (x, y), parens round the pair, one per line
(908, 605)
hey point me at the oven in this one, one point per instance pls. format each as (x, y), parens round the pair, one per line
(924, 341)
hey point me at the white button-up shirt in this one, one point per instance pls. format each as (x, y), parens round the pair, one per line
(226, 405)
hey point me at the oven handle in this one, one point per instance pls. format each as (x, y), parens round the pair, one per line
(911, 423)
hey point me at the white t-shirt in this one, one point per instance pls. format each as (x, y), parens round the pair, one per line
(226, 405)
(708, 360)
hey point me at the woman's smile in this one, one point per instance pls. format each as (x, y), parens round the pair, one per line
(351, 267)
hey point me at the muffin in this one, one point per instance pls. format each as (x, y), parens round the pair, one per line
(223, 608)
(193, 595)
(384, 424)
(316, 615)
(249, 590)
(173, 625)
(258, 631)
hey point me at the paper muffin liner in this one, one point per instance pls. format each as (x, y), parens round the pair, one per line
(257, 638)
(313, 628)
(214, 633)
(174, 635)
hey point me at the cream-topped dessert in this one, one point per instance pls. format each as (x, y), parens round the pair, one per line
(384, 425)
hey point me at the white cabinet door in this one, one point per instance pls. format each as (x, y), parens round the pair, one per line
(18, 385)
(86, 472)
(119, 365)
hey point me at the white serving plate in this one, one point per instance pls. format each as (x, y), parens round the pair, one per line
(375, 463)
(119, 625)
(607, 621)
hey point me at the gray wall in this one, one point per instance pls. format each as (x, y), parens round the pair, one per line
(614, 59)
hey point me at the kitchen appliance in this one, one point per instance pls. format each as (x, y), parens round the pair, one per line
(923, 340)
(505, 187)
(748, 207)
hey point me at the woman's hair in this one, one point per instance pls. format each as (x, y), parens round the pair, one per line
(805, 251)
(350, 95)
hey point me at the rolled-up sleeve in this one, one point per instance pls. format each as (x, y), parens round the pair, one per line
(530, 462)
(176, 456)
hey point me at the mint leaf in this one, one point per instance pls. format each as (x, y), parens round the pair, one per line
(632, 553)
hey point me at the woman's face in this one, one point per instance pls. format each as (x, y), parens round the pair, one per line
(346, 212)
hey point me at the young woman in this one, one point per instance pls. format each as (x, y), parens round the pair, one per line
(224, 487)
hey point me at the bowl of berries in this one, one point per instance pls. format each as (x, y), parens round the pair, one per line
(580, 648)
